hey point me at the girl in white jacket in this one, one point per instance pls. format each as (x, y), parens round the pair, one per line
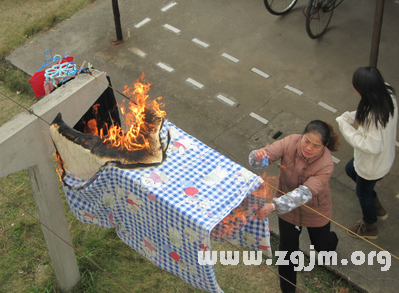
(373, 141)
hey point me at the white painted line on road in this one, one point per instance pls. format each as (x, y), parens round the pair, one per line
(294, 90)
(397, 144)
(201, 43)
(170, 5)
(194, 83)
(138, 52)
(257, 117)
(141, 23)
(225, 99)
(231, 58)
(165, 67)
(329, 108)
(336, 161)
(171, 28)
(260, 72)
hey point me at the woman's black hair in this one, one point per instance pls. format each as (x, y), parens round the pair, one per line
(329, 137)
(376, 104)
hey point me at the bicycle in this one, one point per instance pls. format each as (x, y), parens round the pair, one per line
(318, 13)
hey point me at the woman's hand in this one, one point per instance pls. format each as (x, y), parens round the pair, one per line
(260, 154)
(265, 211)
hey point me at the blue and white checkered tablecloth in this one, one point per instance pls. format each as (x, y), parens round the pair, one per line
(169, 212)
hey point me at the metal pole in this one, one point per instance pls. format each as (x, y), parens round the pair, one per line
(375, 42)
(115, 8)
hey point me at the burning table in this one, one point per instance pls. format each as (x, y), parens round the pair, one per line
(165, 203)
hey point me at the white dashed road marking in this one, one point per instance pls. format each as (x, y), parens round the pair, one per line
(328, 107)
(294, 90)
(201, 43)
(336, 161)
(165, 67)
(138, 52)
(260, 72)
(222, 97)
(143, 22)
(225, 99)
(257, 117)
(170, 5)
(231, 58)
(194, 83)
(171, 28)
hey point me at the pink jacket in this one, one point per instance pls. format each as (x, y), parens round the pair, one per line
(314, 174)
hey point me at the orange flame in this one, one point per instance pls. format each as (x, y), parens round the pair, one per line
(233, 222)
(60, 170)
(264, 190)
(244, 212)
(136, 119)
(91, 127)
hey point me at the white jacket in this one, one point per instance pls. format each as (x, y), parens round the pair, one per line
(374, 146)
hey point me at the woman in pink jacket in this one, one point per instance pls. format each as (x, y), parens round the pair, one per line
(308, 166)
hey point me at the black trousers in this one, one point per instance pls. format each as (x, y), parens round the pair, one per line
(320, 237)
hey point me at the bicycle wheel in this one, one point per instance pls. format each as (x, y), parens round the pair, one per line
(318, 15)
(279, 7)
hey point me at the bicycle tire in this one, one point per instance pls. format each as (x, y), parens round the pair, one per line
(279, 7)
(318, 16)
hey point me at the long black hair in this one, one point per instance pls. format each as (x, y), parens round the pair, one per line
(329, 137)
(376, 104)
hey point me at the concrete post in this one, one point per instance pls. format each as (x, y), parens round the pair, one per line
(25, 144)
(51, 212)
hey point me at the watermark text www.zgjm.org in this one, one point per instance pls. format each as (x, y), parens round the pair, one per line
(297, 258)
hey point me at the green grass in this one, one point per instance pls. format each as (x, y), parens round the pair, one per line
(24, 259)
(40, 16)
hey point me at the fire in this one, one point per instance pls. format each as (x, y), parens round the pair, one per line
(245, 212)
(60, 171)
(265, 190)
(138, 119)
(91, 126)
(233, 223)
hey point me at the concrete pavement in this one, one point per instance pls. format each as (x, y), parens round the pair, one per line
(237, 44)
